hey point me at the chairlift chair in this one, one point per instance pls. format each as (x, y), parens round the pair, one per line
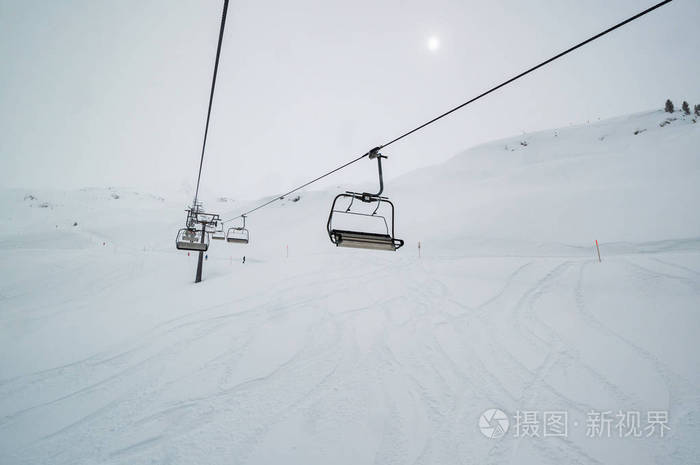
(363, 239)
(191, 239)
(219, 233)
(238, 235)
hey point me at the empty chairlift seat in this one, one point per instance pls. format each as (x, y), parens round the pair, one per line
(344, 237)
(364, 240)
(238, 235)
(190, 239)
(359, 239)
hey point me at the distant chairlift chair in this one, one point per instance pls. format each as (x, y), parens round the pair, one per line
(361, 239)
(191, 239)
(238, 235)
(218, 233)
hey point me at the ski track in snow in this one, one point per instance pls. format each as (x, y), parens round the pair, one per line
(448, 372)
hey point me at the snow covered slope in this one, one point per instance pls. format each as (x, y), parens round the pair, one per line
(110, 354)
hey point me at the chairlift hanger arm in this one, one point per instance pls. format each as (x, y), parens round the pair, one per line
(374, 153)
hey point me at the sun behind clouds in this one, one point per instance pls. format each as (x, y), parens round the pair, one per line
(433, 43)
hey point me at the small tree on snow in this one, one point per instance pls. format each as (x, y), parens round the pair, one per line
(697, 110)
(669, 106)
(685, 107)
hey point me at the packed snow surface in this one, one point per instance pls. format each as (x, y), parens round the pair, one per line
(312, 354)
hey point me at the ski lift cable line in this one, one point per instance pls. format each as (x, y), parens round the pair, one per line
(282, 196)
(211, 97)
(462, 105)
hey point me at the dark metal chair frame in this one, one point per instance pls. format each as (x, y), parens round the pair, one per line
(361, 239)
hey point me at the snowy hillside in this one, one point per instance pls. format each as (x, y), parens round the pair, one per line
(110, 354)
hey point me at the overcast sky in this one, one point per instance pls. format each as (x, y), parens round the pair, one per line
(114, 93)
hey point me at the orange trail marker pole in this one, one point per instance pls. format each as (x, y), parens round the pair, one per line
(598, 249)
